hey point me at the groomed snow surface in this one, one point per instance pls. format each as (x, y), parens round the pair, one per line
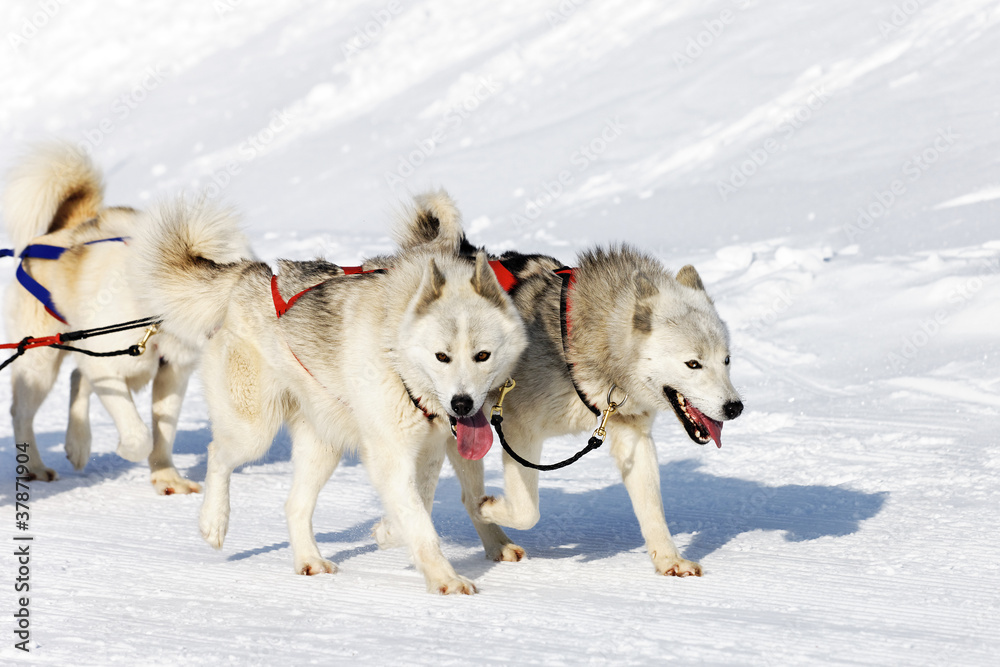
(832, 169)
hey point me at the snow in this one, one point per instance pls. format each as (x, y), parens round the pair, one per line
(831, 169)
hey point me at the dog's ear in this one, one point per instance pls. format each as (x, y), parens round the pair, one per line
(485, 282)
(645, 291)
(688, 277)
(430, 287)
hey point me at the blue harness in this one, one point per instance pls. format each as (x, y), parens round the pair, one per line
(42, 251)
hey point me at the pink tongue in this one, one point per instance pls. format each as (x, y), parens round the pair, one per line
(474, 436)
(714, 427)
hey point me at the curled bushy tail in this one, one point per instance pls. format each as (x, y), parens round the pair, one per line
(189, 257)
(54, 187)
(432, 222)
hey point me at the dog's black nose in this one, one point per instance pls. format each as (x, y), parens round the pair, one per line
(733, 409)
(461, 404)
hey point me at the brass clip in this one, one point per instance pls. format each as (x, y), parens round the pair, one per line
(498, 408)
(150, 330)
(601, 433)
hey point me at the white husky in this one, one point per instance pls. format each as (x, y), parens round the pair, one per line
(379, 361)
(79, 264)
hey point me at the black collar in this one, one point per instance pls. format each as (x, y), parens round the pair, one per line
(416, 402)
(566, 273)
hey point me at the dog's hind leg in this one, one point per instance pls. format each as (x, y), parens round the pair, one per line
(237, 441)
(78, 436)
(635, 452)
(134, 439)
(32, 380)
(470, 476)
(244, 421)
(313, 462)
(169, 386)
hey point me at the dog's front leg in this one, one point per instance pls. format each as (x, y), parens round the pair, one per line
(169, 386)
(33, 378)
(428, 472)
(635, 452)
(392, 468)
(470, 475)
(518, 507)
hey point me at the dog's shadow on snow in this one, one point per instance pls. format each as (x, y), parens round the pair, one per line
(104, 466)
(714, 510)
(600, 523)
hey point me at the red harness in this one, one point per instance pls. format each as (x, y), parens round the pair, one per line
(281, 306)
(508, 281)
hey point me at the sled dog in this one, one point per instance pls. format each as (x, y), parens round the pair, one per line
(618, 328)
(384, 362)
(77, 273)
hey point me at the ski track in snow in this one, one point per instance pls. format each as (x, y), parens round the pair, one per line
(851, 516)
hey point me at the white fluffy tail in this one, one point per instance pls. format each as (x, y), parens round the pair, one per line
(189, 257)
(433, 222)
(54, 187)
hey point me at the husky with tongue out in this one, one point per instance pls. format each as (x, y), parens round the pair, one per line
(619, 327)
(387, 362)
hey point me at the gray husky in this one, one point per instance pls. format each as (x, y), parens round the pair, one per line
(385, 362)
(617, 329)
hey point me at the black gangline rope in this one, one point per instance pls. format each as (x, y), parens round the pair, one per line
(592, 444)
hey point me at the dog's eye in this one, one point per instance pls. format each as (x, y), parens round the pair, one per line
(727, 359)
(694, 364)
(482, 356)
(442, 357)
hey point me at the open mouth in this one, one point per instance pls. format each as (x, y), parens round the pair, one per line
(699, 427)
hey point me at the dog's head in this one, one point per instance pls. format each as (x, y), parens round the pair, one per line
(460, 338)
(684, 346)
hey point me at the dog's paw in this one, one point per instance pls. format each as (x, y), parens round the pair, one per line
(314, 565)
(452, 586)
(383, 534)
(136, 446)
(42, 474)
(78, 448)
(678, 567)
(507, 553)
(488, 507)
(168, 481)
(214, 529)
(493, 509)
